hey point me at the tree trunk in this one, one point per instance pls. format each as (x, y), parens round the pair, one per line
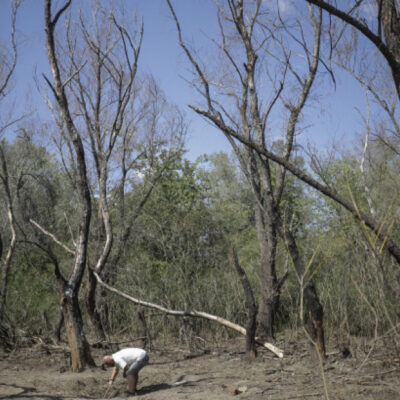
(90, 300)
(144, 331)
(269, 298)
(7, 338)
(391, 28)
(103, 303)
(251, 307)
(80, 351)
(315, 318)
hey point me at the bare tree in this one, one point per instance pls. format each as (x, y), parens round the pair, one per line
(125, 118)
(69, 287)
(109, 120)
(236, 105)
(103, 87)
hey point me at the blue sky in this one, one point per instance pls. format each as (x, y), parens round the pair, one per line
(336, 119)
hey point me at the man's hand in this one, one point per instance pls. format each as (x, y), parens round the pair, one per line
(110, 382)
(126, 369)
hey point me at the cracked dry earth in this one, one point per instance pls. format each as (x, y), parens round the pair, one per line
(217, 371)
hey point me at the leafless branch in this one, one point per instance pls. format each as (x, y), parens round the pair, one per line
(52, 236)
(14, 10)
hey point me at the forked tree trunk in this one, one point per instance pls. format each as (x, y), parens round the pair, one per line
(80, 351)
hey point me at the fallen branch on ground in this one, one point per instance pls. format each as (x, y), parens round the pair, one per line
(194, 314)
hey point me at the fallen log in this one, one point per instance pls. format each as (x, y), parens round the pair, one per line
(193, 313)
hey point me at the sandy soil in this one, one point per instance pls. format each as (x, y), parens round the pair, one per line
(212, 372)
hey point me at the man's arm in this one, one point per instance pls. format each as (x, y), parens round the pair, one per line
(113, 376)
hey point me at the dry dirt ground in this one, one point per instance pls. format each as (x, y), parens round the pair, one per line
(212, 372)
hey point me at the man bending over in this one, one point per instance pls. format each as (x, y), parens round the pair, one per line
(131, 360)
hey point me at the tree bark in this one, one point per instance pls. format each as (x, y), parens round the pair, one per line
(80, 350)
(250, 305)
(91, 307)
(315, 318)
(269, 297)
(390, 17)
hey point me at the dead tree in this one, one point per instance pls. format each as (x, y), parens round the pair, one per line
(69, 287)
(122, 114)
(247, 115)
(96, 73)
(105, 117)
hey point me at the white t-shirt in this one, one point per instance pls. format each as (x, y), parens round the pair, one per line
(128, 356)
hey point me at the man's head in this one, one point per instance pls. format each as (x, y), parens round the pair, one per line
(107, 361)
